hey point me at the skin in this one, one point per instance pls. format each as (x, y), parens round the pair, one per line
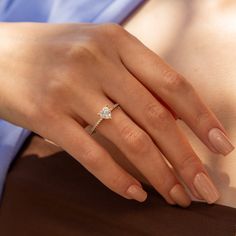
(54, 78)
(198, 40)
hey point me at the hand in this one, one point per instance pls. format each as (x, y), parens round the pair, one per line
(56, 78)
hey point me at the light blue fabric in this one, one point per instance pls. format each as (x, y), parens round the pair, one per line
(53, 11)
(93, 11)
(11, 139)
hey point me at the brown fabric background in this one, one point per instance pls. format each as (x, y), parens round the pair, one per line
(56, 196)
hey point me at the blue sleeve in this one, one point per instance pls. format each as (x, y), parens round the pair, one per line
(11, 139)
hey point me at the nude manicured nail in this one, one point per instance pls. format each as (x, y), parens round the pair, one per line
(137, 193)
(206, 188)
(220, 141)
(180, 196)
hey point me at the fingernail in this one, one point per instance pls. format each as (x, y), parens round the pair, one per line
(196, 194)
(180, 196)
(206, 188)
(220, 141)
(137, 193)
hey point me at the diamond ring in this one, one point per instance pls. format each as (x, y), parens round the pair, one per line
(104, 114)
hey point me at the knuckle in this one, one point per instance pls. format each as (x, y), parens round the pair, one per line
(114, 30)
(201, 117)
(157, 116)
(91, 159)
(162, 182)
(136, 140)
(118, 181)
(83, 51)
(190, 162)
(175, 81)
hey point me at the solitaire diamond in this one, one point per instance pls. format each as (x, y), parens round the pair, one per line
(105, 113)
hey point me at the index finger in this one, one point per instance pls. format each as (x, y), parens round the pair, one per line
(164, 82)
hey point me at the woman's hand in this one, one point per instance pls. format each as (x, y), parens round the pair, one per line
(56, 78)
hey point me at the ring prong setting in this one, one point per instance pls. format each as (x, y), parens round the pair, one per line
(105, 113)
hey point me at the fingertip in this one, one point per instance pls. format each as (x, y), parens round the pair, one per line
(137, 193)
(180, 196)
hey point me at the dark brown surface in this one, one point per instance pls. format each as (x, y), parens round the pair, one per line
(56, 196)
